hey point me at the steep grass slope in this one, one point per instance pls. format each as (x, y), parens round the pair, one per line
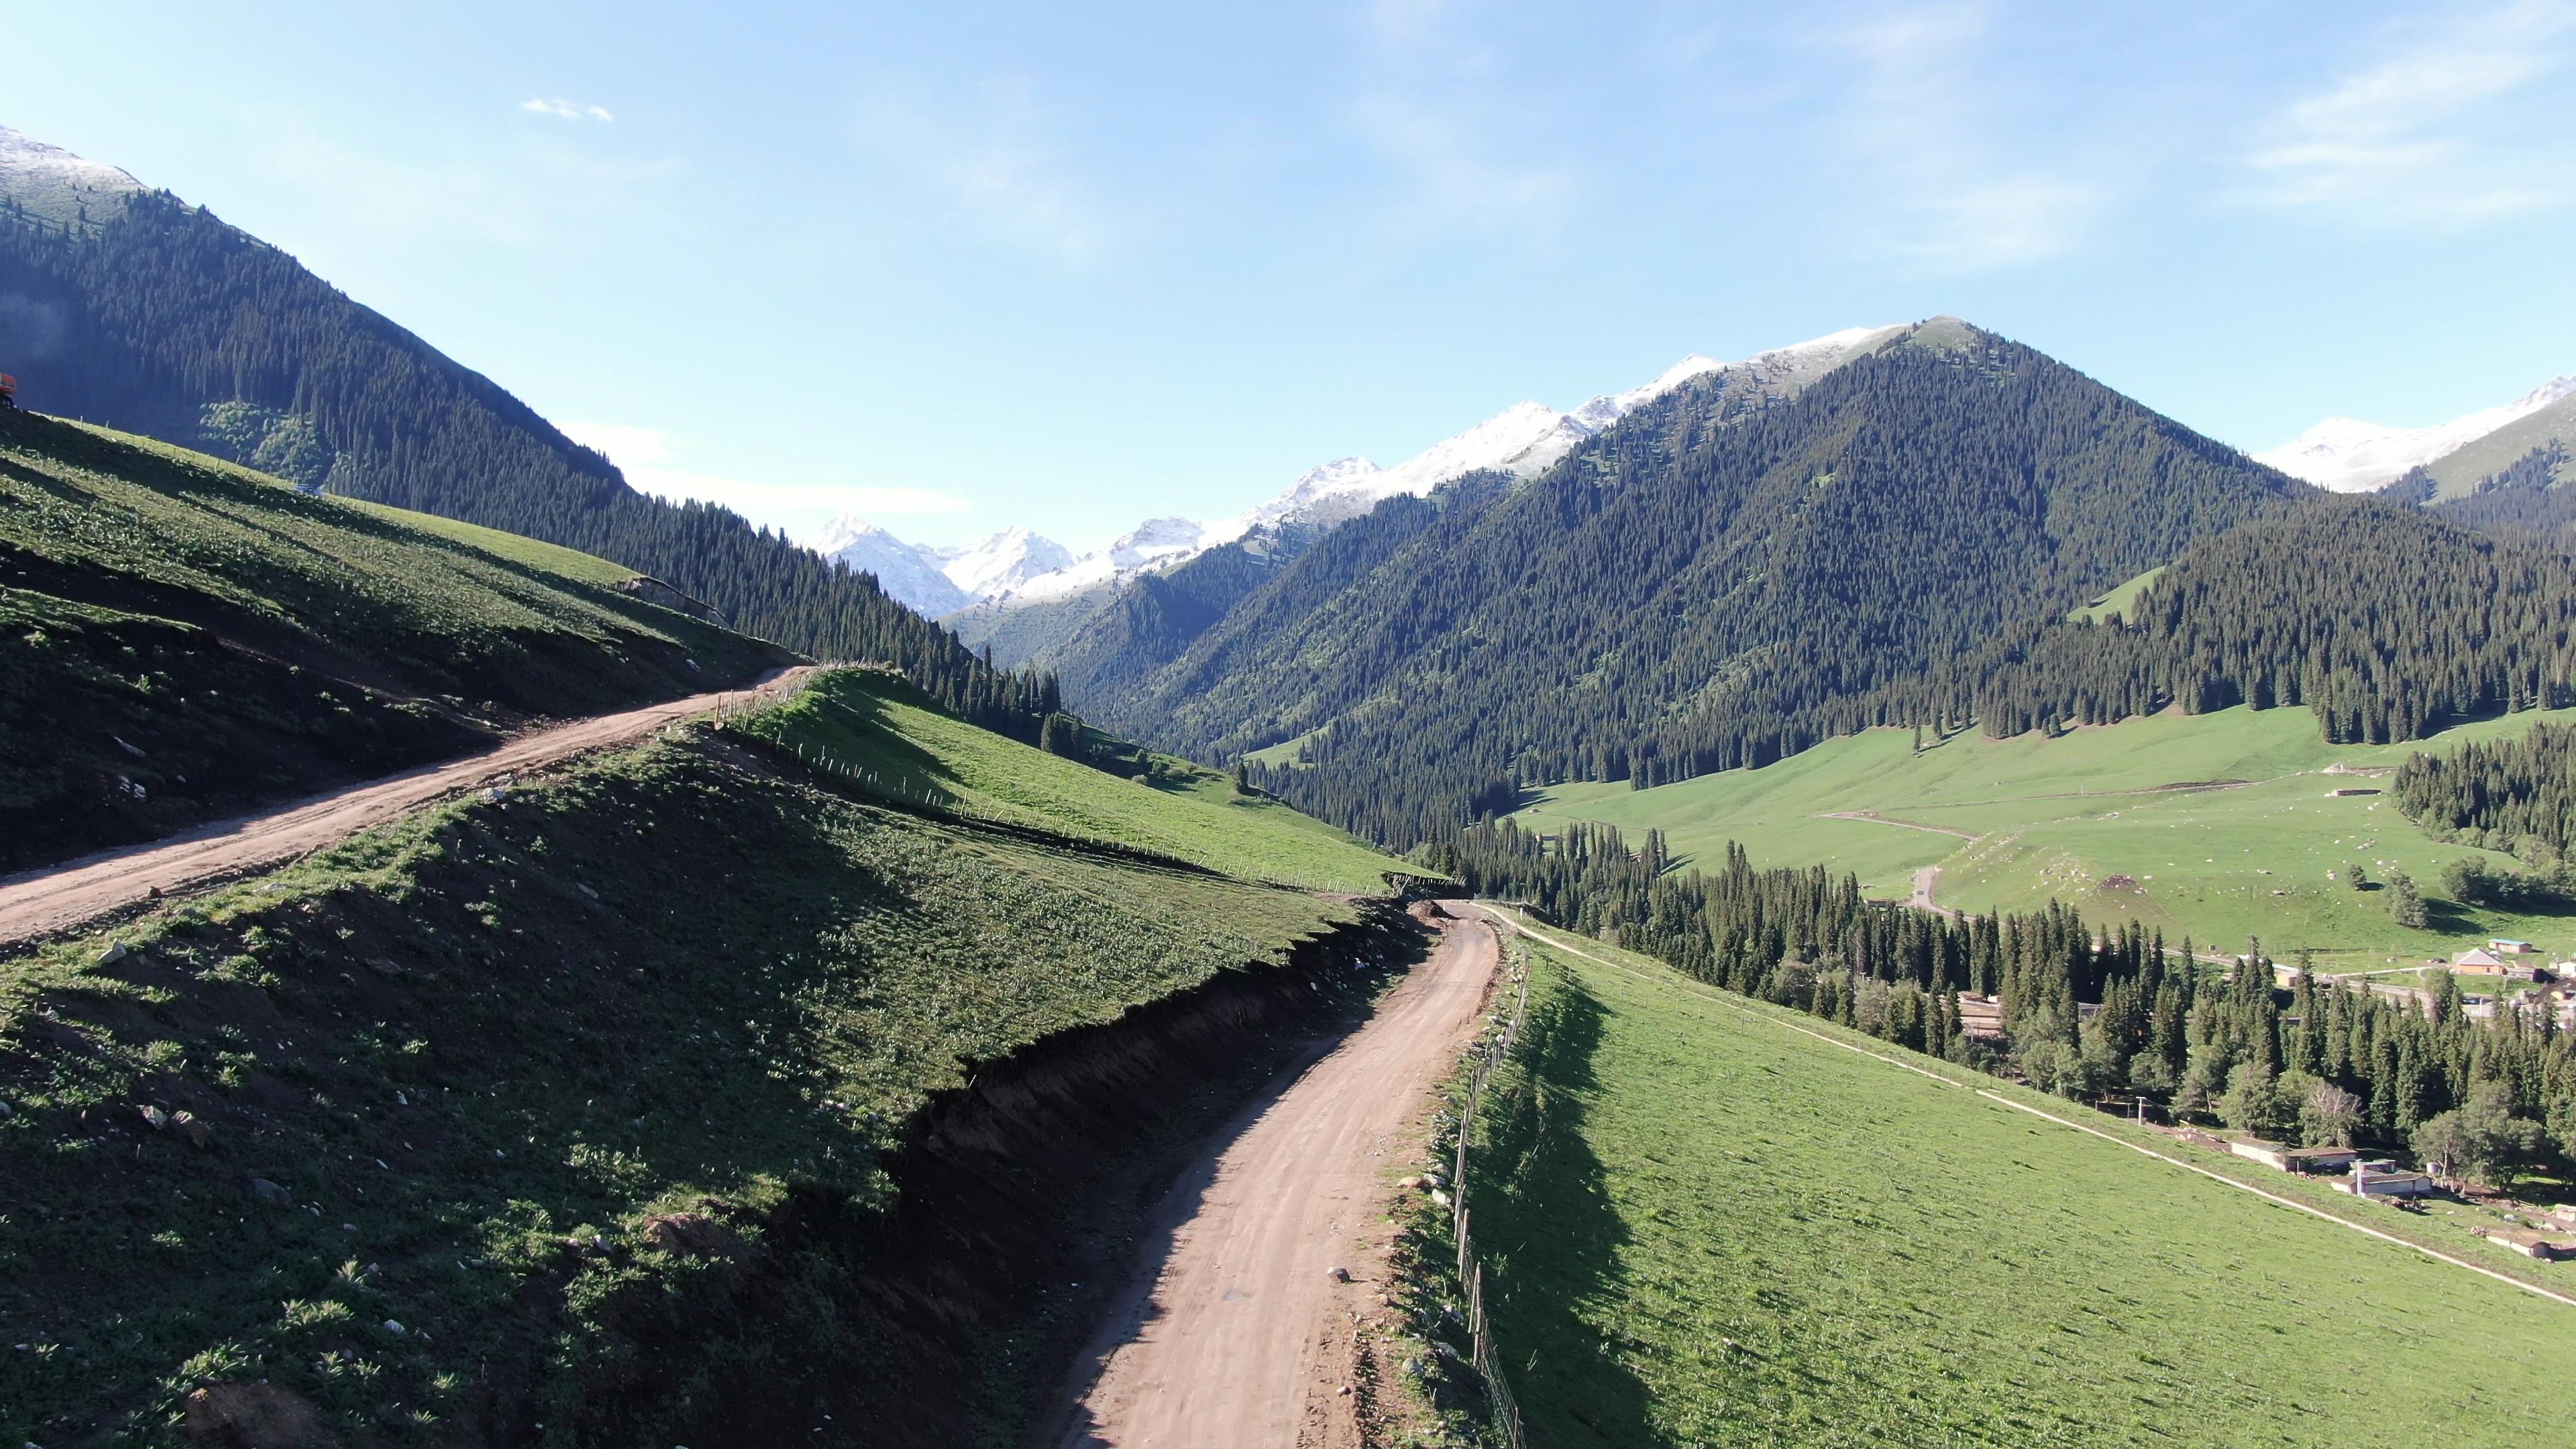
(446, 1086)
(2012, 823)
(181, 638)
(1704, 1228)
(872, 722)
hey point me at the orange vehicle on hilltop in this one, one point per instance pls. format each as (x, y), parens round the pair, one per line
(8, 391)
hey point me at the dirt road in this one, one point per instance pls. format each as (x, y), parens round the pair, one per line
(1232, 1336)
(1926, 881)
(43, 901)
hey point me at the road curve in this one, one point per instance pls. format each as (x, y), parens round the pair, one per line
(1223, 1341)
(43, 901)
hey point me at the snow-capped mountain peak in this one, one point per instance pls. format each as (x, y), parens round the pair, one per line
(59, 186)
(1005, 561)
(2347, 455)
(907, 575)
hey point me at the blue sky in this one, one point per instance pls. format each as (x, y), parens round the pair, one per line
(958, 266)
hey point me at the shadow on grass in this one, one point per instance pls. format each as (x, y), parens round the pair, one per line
(1550, 1238)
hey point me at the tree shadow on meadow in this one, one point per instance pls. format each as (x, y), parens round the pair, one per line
(1550, 1238)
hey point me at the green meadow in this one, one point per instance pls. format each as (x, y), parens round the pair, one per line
(875, 723)
(1703, 1227)
(2220, 825)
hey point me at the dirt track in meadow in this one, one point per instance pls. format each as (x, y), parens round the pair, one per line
(1233, 1331)
(41, 902)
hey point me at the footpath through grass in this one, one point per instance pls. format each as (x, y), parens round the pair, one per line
(1703, 1228)
(2106, 819)
(874, 722)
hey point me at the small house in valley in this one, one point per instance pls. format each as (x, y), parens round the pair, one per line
(2477, 963)
(2381, 1179)
(2320, 1159)
(2503, 947)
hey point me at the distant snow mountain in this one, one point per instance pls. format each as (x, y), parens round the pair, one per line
(2348, 455)
(937, 581)
(1521, 440)
(1005, 561)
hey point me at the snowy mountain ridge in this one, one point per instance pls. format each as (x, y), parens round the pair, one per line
(2347, 455)
(1521, 441)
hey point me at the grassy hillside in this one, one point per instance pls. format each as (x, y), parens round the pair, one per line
(181, 638)
(1704, 1228)
(873, 722)
(2118, 602)
(2011, 823)
(479, 1050)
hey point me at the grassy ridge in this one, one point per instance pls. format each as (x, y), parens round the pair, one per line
(2028, 819)
(1708, 1229)
(180, 638)
(873, 721)
(478, 1047)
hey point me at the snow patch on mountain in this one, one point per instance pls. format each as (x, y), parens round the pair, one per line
(2347, 455)
(51, 182)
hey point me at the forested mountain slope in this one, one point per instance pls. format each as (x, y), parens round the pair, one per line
(1696, 588)
(2385, 620)
(182, 638)
(163, 320)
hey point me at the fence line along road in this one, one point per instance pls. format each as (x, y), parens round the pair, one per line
(1471, 1274)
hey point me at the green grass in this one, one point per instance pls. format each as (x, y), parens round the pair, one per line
(2057, 817)
(874, 722)
(2118, 601)
(246, 642)
(668, 978)
(1704, 1228)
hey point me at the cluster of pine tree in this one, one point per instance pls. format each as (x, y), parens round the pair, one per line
(2083, 1012)
(165, 321)
(2520, 503)
(2508, 795)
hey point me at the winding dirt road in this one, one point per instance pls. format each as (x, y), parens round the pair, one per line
(1232, 1333)
(43, 901)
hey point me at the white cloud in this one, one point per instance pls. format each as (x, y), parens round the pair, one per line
(569, 110)
(2452, 124)
(997, 158)
(1938, 184)
(648, 457)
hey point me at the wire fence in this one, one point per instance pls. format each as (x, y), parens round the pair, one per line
(1471, 1274)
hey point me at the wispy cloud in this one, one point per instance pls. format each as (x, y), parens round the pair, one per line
(1449, 176)
(2451, 123)
(997, 158)
(651, 459)
(569, 110)
(1940, 184)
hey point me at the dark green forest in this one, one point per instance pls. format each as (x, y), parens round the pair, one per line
(2502, 794)
(1706, 585)
(2386, 621)
(2314, 1064)
(166, 321)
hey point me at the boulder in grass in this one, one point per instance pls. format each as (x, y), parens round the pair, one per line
(691, 1235)
(254, 1416)
(270, 1193)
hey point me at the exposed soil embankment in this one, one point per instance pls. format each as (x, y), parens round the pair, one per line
(1018, 1201)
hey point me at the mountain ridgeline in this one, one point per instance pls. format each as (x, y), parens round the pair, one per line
(163, 320)
(1706, 585)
